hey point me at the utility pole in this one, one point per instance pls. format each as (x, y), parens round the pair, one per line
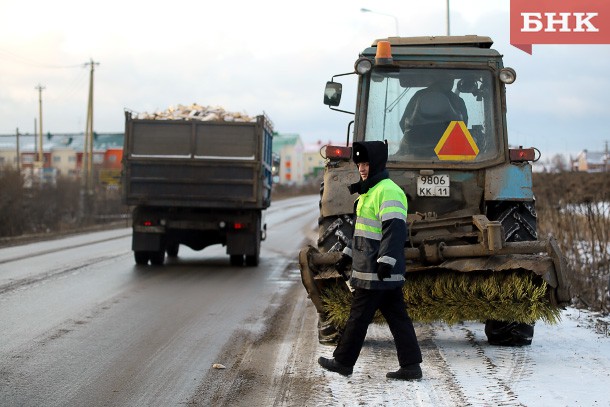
(18, 152)
(88, 148)
(606, 158)
(40, 88)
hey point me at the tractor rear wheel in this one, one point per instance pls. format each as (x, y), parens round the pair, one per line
(518, 219)
(519, 223)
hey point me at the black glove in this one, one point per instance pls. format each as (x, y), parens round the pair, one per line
(384, 270)
(342, 265)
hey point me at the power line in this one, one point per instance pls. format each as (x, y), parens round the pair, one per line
(27, 61)
(77, 84)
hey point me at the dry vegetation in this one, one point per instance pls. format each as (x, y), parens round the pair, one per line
(55, 209)
(574, 207)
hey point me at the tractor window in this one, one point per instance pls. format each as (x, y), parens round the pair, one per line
(433, 115)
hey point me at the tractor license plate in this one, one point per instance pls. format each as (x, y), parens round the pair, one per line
(433, 185)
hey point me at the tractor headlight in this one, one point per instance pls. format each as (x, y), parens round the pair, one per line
(363, 66)
(508, 75)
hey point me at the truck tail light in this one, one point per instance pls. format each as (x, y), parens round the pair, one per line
(240, 226)
(153, 222)
(337, 152)
(523, 154)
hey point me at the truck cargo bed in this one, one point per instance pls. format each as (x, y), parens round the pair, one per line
(197, 163)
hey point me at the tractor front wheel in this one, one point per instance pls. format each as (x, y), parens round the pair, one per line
(335, 232)
(518, 220)
(502, 333)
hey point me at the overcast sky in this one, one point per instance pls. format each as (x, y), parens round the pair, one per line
(271, 56)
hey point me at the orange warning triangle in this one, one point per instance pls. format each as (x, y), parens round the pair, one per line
(456, 143)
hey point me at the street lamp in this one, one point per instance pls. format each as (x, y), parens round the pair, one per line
(448, 30)
(366, 10)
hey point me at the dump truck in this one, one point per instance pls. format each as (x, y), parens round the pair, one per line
(473, 252)
(197, 183)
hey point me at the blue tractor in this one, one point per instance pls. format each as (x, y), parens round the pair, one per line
(473, 251)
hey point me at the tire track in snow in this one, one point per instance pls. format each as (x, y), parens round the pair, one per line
(368, 385)
(486, 374)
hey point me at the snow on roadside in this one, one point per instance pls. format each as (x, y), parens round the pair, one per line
(568, 364)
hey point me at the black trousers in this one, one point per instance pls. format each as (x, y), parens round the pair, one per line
(392, 306)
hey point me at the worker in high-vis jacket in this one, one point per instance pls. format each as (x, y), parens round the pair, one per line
(377, 260)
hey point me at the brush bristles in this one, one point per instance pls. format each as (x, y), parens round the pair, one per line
(455, 297)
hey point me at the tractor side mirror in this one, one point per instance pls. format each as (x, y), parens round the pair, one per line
(332, 93)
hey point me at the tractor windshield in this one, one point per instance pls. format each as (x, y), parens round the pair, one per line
(433, 115)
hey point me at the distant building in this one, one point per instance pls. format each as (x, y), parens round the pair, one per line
(289, 148)
(314, 160)
(591, 161)
(64, 160)
(63, 154)
(8, 157)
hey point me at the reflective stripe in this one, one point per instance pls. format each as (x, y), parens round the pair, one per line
(387, 259)
(368, 234)
(368, 222)
(393, 215)
(392, 209)
(373, 277)
(392, 203)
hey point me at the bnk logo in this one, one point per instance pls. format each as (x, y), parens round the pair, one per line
(559, 22)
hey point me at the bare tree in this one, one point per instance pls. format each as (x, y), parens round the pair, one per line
(559, 163)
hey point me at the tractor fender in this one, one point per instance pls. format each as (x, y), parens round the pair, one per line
(336, 198)
(509, 182)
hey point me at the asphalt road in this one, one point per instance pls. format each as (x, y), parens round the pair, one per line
(81, 324)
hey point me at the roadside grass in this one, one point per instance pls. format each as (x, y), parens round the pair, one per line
(50, 210)
(575, 208)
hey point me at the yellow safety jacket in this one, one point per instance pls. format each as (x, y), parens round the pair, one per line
(379, 236)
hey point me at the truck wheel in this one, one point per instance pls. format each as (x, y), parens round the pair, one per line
(141, 258)
(519, 223)
(237, 260)
(172, 249)
(157, 258)
(252, 260)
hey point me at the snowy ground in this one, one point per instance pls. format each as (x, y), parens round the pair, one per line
(568, 364)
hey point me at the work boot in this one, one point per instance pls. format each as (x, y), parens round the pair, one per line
(334, 366)
(409, 372)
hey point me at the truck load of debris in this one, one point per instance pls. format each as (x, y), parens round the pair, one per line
(196, 112)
